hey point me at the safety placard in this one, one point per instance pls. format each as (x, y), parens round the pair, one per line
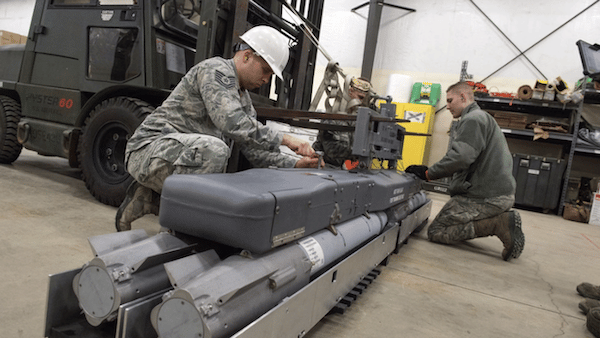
(595, 213)
(414, 116)
(175, 58)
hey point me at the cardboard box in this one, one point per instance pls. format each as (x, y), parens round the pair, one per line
(577, 213)
(509, 120)
(10, 38)
(595, 213)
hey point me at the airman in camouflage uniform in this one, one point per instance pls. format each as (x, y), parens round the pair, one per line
(337, 145)
(482, 187)
(190, 133)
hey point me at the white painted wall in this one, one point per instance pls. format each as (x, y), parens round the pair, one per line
(15, 15)
(431, 43)
(442, 33)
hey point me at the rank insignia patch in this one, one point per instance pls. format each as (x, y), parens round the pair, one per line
(226, 81)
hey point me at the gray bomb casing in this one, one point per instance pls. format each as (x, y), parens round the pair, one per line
(260, 209)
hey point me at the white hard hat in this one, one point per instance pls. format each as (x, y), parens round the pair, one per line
(271, 45)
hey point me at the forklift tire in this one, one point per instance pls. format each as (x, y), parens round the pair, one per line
(101, 151)
(10, 114)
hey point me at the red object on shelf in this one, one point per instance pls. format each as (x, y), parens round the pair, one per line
(503, 94)
(478, 87)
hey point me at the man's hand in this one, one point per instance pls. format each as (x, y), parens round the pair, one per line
(419, 170)
(308, 162)
(298, 146)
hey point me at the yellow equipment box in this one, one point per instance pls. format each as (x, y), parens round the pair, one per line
(416, 148)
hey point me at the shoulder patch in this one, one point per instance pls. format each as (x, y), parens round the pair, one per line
(224, 80)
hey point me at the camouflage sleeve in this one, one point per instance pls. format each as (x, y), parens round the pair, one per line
(263, 159)
(318, 145)
(336, 146)
(221, 95)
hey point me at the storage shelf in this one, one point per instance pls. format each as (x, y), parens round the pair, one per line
(536, 107)
(528, 132)
(591, 96)
(587, 150)
(550, 109)
(584, 147)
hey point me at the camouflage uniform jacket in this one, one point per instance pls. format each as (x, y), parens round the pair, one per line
(208, 100)
(479, 160)
(335, 145)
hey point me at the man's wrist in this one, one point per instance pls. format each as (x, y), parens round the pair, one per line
(285, 140)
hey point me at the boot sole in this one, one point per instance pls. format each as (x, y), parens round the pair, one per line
(586, 305)
(518, 238)
(593, 321)
(128, 198)
(584, 308)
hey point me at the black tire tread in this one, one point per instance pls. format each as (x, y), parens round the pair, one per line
(140, 109)
(10, 148)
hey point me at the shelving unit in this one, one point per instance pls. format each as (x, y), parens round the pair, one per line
(552, 109)
(591, 96)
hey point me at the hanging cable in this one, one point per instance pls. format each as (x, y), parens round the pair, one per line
(307, 31)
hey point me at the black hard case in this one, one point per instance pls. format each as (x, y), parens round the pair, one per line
(538, 180)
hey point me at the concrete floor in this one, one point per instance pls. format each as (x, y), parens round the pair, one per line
(427, 290)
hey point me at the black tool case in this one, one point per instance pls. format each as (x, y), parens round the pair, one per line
(259, 209)
(539, 180)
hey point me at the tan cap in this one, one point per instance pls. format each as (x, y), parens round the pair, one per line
(360, 84)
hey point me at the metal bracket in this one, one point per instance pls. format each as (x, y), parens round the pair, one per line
(383, 4)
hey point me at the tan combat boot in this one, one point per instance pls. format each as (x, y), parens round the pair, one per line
(587, 304)
(139, 201)
(589, 290)
(593, 321)
(507, 227)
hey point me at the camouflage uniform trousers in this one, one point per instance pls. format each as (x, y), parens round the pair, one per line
(455, 221)
(177, 154)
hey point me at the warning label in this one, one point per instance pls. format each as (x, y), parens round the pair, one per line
(314, 251)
